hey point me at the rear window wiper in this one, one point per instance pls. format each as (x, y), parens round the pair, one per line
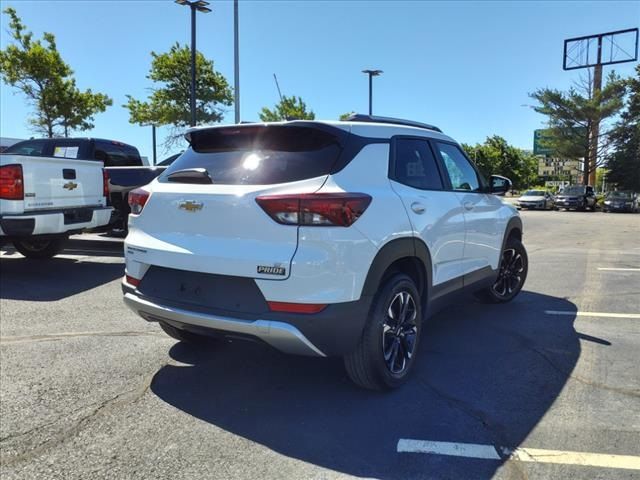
(190, 175)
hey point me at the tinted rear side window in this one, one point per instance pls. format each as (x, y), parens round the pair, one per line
(115, 154)
(415, 164)
(34, 148)
(259, 155)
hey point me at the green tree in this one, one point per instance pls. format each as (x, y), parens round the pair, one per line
(496, 157)
(36, 68)
(168, 103)
(345, 116)
(289, 108)
(75, 109)
(570, 116)
(624, 162)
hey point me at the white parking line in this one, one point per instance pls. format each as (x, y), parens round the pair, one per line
(489, 452)
(619, 269)
(592, 314)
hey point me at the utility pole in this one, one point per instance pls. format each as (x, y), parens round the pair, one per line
(371, 73)
(153, 138)
(236, 61)
(278, 87)
(200, 6)
(192, 97)
(594, 132)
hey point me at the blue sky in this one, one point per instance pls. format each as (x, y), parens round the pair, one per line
(464, 66)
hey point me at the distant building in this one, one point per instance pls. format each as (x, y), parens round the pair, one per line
(550, 168)
(7, 142)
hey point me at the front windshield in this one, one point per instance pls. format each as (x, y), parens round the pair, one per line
(625, 195)
(534, 193)
(573, 190)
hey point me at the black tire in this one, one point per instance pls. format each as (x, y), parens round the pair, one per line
(514, 265)
(39, 249)
(183, 335)
(375, 364)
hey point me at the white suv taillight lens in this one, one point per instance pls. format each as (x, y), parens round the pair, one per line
(11, 182)
(137, 200)
(315, 209)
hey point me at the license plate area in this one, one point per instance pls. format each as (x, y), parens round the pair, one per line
(77, 215)
(203, 290)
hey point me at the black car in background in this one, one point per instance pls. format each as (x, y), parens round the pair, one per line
(621, 201)
(577, 197)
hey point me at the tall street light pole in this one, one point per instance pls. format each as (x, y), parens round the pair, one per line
(371, 73)
(200, 6)
(236, 61)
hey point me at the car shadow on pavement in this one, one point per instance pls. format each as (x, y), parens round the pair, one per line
(58, 278)
(485, 374)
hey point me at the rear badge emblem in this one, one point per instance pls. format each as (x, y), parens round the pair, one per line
(70, 186)
(190, 205)
(271, 270)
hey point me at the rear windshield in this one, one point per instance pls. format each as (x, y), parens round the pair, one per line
(621, 194)
(259, 155)
(574, 190)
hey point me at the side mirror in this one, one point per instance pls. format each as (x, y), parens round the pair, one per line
(499, 185)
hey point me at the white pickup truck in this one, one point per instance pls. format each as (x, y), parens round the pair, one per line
(43, 200)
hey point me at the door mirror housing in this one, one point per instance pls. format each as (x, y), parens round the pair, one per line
(499, 185)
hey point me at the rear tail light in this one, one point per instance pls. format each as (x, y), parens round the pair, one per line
(105, 183)
(137, 200)
(132, 281)
(11, 182)
(315, 209)
(296, 307)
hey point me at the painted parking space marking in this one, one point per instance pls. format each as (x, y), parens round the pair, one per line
(592, 314)
(520, 454)
(619, 269)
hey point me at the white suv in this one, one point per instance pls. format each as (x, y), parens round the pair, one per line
(320, 238)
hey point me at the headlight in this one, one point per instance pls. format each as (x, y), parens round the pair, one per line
(607, 202)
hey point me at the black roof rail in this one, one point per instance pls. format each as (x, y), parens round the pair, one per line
(361, 117)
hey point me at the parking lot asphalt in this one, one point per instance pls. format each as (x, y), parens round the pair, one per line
(89, 390)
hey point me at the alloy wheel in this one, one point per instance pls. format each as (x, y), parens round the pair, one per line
(399, 332)
(511, 273)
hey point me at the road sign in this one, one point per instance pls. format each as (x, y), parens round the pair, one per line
(539, 138)
(542, 138)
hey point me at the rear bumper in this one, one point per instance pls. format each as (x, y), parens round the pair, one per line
(54, 222)
(569, 203)
(335, 331)
(532, 205)
(618, 208)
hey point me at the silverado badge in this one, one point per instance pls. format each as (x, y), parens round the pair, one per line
(70, 186)
(190, 205)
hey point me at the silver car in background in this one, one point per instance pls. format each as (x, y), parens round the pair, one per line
(539, 199)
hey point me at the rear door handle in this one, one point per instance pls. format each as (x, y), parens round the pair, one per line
(468, 205)
(68, 174)
(418, 207)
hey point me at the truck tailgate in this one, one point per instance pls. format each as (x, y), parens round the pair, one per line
(55, 183)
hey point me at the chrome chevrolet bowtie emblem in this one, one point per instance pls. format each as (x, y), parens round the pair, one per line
(190, 205)
(70, 185)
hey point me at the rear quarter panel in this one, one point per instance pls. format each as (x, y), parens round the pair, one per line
(331, 263)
